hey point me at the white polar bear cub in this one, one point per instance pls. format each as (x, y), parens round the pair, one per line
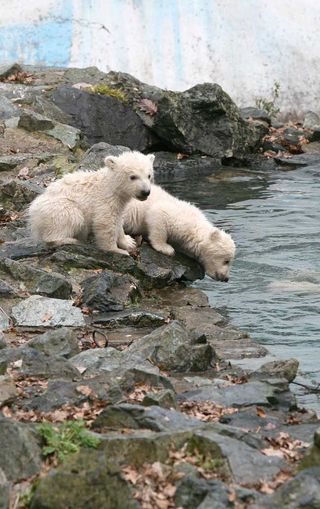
(93, 201)
(167, 221)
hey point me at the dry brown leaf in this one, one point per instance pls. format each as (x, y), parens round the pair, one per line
(46, 317)
(260, 412)
(85, 390)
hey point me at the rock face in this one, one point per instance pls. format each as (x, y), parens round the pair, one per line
(103, 118)
(110, 291)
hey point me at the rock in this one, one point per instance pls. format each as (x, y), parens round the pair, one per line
(8, 163)
(5, 289)
(61, 342)
(8, 390)
(37, 280)
(170, 348)
(24, 248)
(247, 465)
(303, 491)
(8, 110)
(299, 160)
(280, 369)
(68, 135)
(153, 418)
(195, 492)
(20, 456)
(38, 311)
(7, 70)
(95, 156)
(109, 291)
(3, 343)
(292, 135)
(16, 194)
(247, 394)
(137, 318)
(311, 120)
(168, 165)
(159, 270)
(164, 399)
(4, 491)
(88, 481)
(250, 112)
(103, 118)
(183, 118)
(66, 392)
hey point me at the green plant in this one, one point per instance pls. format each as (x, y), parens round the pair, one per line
(66, 439)
(269, 105)
(111, 92)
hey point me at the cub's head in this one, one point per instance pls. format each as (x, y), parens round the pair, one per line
(217, 252)
(134, 173)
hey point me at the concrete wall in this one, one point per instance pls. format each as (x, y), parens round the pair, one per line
(244, 45)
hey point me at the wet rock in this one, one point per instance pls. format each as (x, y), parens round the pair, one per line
(164, 399)
(88, 481)
(38, 311)
(20, 456)
(195, 492)
(103, 118)
(62, 342)
(137, 318)
(159, 270)
(299, 160)
(170, 348)
(8, 390)
(247, 394)
(95, 156)
(168, 165)
(311, 120)
(280, 369)
(250, 112)
(16, 194)
(301, 491)
(110, 291)
(153, 418)
(247, 464)
(4, 491)
(312, 458)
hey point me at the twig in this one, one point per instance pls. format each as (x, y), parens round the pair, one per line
(309, 388)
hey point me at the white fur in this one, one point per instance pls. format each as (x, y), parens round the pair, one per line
(171, 223)
(92, 201)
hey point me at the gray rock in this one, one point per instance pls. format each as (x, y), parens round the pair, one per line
(168, 166)
(137, 318)
(4, 491)
(16, 194)
(24, 248)
(8, 390)
(20, 453)
(170, 348)
(95, 156)
(32, 121)
(38, 311)
(247, 464)
(247, 394)
(5, 289)
(62, 342)
(109, 291)
(195, 492)
(303, 491)
(311, 120)
(68, 135)
(292, 135)
(103, 118)
(164, 399)
(280, 369)
(7, 109)
(299, 160)
(255, 114)
(8, 163)
(154, 418)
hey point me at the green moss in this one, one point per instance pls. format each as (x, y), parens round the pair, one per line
(111, 92)
(66, 439)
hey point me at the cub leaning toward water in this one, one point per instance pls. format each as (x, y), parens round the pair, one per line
(85, 201)
(169, 223)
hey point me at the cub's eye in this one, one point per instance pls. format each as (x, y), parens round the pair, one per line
(149, 177)
(227, 262)
(133, 177)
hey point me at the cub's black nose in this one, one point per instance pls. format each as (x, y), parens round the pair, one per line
(145, 193)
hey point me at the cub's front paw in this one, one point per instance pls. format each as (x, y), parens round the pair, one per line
(130, 243)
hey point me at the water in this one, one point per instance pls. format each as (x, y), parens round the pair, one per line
(274, 289)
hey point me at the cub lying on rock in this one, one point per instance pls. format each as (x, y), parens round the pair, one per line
(171, 223)
(93, 201)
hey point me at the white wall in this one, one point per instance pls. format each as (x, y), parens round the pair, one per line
(244, 45)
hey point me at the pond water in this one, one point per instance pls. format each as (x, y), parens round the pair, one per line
(274, 288)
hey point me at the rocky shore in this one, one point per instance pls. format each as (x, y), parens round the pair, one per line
(118, 386)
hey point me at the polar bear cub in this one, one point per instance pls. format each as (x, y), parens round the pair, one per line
(171, 223)
(93, 201)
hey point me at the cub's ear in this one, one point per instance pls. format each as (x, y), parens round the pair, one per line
(215, 234)
(151, 157)
(111, 162)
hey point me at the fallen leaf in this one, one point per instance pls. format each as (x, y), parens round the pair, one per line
(46, 317)
(260, 412)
